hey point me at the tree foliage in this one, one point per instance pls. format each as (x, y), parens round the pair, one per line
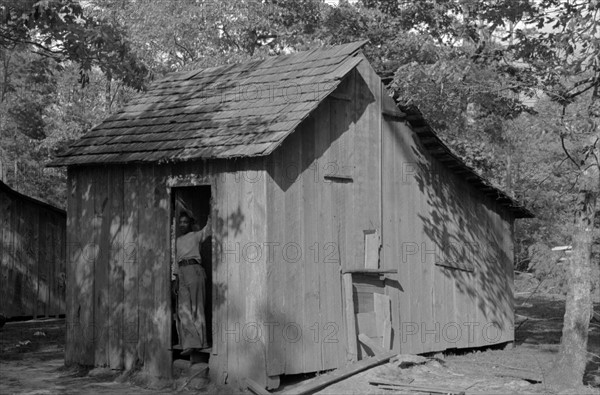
(60, 30)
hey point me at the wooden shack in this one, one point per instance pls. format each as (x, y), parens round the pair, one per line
(32, 251)
(334, 214)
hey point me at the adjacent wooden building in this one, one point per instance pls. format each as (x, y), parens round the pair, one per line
(334, 214)
(32, 253)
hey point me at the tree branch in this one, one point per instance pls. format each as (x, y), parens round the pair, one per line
(189, 53)
(562, 143)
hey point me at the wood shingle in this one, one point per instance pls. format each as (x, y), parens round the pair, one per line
(221, 112)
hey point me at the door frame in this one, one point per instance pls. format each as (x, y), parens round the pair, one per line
(187, 181)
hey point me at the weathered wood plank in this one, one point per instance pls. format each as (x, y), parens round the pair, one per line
(218, 362)
(336, 138)
(509, 249)
(255, 277)
(431, 243)
(9, 251)
(61, 256)
(375, 348)
(391, 254)
(296, 361)
(116, 264)
(131, 212)
(387, 335)
(255, 388)
(147, 255)
(41, 277)
(340, 374)
(73, 206)
(367, 148)
(314, 277)
(277, 267)
(51, 234)
(350, 238)
(30, 248)
(330, 122)
(382, 305)
(414, 210)
(15, 275)
(351, 334)
(162, 276)
(84, 268)
(3, 269)
(237, 224)
(427, 389)
(5, 235)
(101, 195)
(372, 245)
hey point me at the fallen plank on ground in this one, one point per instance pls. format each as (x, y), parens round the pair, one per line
(428, 389)
(401, 381)
(340, 374)
(518, 375)
(256, 388)
(374, 347)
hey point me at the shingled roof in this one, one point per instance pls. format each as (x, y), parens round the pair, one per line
(229, 111)
(239, 110)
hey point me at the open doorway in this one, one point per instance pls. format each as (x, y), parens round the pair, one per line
(195, 201)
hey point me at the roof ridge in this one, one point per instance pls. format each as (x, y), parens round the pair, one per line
(346, 50)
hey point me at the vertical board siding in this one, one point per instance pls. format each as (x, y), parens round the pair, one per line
(131, 262)
(115, 265)
(146, 256)
(276, 268)
(118, 304)
(367, 151)
(42, 263)
(333, 131)
(219, 359)
(252, 360)
(84, 268)
(325, 219)
(235, 302)
(292, 258)
(5, 237)
(392, 218)
(102, 206)
(31, 251)
(314, 277)
(73, 212)
(162, 275)
(62, 255)
(439, 216)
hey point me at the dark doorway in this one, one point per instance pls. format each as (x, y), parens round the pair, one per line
(197, 201)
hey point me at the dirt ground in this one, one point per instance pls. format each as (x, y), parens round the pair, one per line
(537, 333)
(31, 362)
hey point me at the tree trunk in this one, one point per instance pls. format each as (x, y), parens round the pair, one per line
(570, 363)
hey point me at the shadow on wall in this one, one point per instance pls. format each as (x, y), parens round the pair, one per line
(319, 132)
(464, 226)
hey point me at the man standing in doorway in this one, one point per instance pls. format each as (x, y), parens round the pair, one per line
(191, 287)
